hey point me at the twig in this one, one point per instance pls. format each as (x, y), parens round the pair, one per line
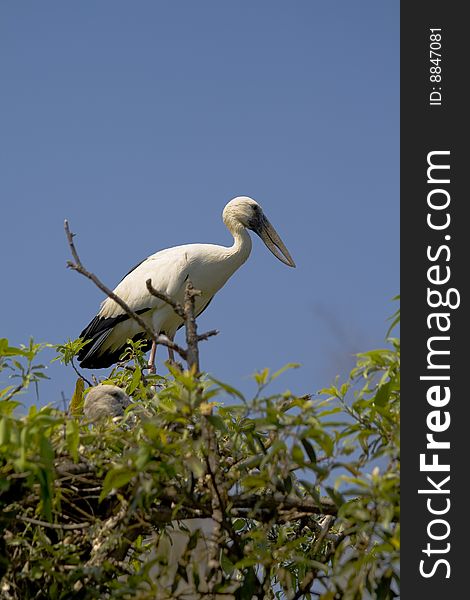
(181, 311)
(77, 266)
(278, 503)
(165, 341)
(205, 336)
(74, 367)
(53, 525)
(14, 391)
(253, 506)
(168, 299)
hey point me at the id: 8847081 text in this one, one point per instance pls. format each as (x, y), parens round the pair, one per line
(435, 70)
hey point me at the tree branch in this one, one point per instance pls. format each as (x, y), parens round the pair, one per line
(67, 526)
(78, 266)
(205, 336)
(191, 327)
(278, 504)
(165, 341)
(179, 310)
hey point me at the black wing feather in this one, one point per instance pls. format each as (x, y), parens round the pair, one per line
(92, 356)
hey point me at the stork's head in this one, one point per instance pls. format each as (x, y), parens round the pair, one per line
(104, 401)
(249, 213)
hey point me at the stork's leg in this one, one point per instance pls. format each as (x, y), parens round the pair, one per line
(151, 362)
(171, 354)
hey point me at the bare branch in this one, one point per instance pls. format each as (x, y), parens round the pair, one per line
(168, 299)
(67, 526)
(205, 336)
(70, 237)
(74, 367)
(263, 509)
(278, 503)
(191, 327)
(165, 341)
(77, 266)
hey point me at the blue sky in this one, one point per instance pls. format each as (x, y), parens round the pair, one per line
(138, 121)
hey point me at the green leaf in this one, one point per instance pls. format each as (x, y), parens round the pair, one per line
(382, 395)
(239, 524)
(193, 539)
(383, 591)
(337, 498)
(46, 453)
(70, 349)
(288, 484)
(395, 318)
(313, 491)
(6, 350)
(261, 377)
(196, 465)
(227, 388)
(76, 403)
(4, 431)
(217, 422)
(297, 454)
(181, 571)
(254, 481)
(309, 450)
(116, 478)
(283, 369)
(136, 377)
(226, 564)
(8, 406)
(72, 438)
(248, 587)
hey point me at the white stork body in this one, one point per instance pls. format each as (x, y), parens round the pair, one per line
(208, 266)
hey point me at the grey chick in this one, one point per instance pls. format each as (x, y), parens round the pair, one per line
(104, 401)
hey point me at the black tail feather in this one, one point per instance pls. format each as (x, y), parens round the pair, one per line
(107, 359)
(92, 356)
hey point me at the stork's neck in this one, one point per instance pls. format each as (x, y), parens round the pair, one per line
(241, 248)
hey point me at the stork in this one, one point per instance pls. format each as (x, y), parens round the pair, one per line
(104, 401)
(208, 266)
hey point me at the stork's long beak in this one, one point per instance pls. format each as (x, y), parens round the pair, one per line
(272, 240)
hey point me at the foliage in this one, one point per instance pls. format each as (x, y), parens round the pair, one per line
(191, 495)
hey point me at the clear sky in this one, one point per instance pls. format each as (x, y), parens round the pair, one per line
(138, 121)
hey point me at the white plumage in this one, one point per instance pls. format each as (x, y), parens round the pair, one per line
(208, 266)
